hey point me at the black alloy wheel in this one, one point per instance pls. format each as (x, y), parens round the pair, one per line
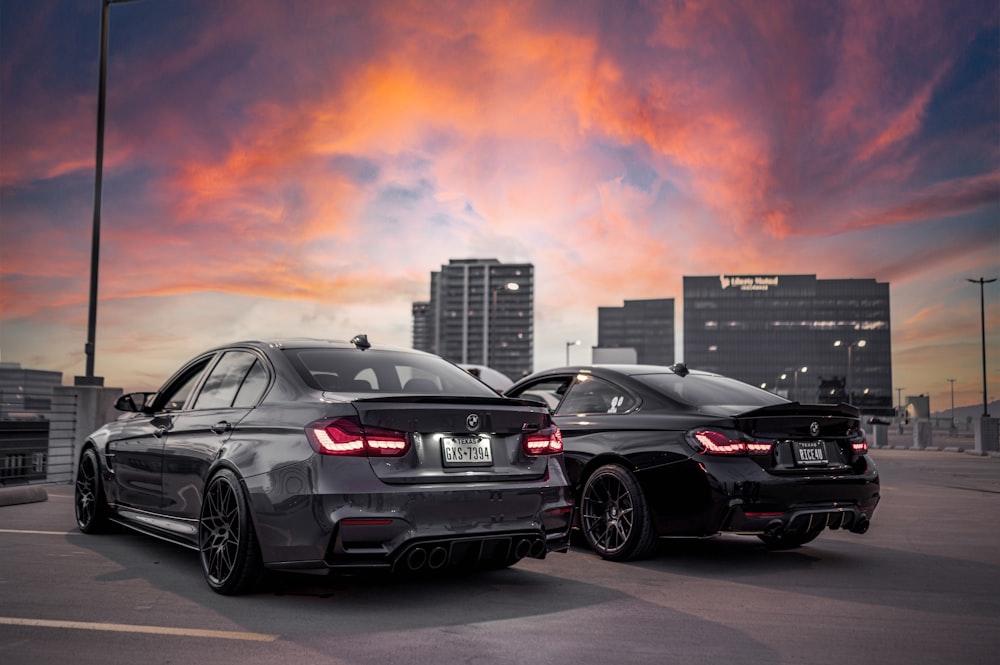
(614, 516)
(88, 495)
(230, 554)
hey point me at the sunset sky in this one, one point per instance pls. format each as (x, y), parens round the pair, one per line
(299, 167)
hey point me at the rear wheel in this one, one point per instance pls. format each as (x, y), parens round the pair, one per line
(230, 553)
(92, 513)
(789, 541)
(614, 516)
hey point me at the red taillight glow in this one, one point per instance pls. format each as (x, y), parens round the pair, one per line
(546, 441)
(345, 436)
(860, 447)
(716, 443)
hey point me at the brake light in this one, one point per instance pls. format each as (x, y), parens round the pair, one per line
(346, 436)
(712, 442)
(546, 441)
(860, 447)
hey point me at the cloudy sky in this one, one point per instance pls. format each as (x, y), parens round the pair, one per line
(300, 167)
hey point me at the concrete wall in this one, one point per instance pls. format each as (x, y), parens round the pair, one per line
(76, 412)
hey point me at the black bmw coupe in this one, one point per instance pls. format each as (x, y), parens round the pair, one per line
(656, 451)
(309, 455)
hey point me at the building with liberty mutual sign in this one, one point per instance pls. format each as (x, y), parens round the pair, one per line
(811, 340)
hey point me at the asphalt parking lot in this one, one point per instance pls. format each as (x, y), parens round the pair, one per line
(923, 586)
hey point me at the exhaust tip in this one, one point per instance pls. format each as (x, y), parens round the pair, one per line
(437, 558)
(416, 559)
(861, 526)
(537, 549)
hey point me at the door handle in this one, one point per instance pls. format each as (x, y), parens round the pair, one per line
(221, 427)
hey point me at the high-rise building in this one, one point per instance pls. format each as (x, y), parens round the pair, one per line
(811, 340)
(644, 325)
(480, 312)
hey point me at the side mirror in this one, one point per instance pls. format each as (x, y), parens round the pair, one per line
(132, 402)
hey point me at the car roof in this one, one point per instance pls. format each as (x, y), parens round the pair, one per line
(312, 343)
(632, 370)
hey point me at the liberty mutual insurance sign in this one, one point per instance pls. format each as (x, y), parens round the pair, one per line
(759, 283)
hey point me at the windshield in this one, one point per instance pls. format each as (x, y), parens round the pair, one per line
(709, 390)
(375, 371)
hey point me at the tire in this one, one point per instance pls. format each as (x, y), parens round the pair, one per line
(614, 516)
(789, 541)
(227, 543)
(89, 501)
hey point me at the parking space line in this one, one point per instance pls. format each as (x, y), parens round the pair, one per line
(132, 628)
(36, 533)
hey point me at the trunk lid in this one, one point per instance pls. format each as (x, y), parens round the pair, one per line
(805, 438)
(455, 439)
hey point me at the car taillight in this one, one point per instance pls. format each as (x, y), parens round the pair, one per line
(546, 441)
(346, 436)
(860, 447)
(712, 442)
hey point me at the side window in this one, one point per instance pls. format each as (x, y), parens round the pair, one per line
(592, 395)
(175, 396)
(550, 392)
(225, 379)
(253, 387)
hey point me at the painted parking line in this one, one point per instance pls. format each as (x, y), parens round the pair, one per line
(37, 533)
(132, 628)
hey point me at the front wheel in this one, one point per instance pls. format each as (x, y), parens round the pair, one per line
(614, 516)
(89, 502)
(230, 554)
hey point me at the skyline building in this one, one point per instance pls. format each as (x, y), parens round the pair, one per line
(644, 325)
(809, 339)
(480, 312)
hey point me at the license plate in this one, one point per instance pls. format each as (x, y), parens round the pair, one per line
(467, 451)
(810, 452)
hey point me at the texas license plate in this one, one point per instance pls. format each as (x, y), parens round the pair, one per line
(810, 452)
(467, 451)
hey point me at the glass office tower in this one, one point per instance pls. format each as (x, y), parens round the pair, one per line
(644, 325)
(480, 312)
(811, 340)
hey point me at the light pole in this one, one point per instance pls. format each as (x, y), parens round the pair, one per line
(509, 286)
(899, 407)
(795, 380)
(95, 244)
(849, 380)
(569, 344)
(982, 326)
(951, 428)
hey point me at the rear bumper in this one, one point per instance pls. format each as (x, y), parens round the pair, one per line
(737, 495)
(411, 526)
(802, 519)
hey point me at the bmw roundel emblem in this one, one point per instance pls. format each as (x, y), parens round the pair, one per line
(472, 422)
(814, 429)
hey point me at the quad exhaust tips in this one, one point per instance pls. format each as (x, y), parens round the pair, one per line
(435, 557)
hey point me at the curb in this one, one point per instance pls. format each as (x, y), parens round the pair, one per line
(10, 496)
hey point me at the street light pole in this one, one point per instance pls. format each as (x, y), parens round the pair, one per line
(982, 324)
(848, 382)
(491, 346)
(569, 344)
(951, 428)
(95, 244)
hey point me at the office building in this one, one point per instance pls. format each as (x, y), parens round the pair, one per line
(480, 312)
(644, 325)
(812, 340)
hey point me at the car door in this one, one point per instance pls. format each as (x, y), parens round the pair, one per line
(135, 456)
(235, 383)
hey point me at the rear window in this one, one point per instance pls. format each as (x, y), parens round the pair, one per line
(701, 390)
(374, 371)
